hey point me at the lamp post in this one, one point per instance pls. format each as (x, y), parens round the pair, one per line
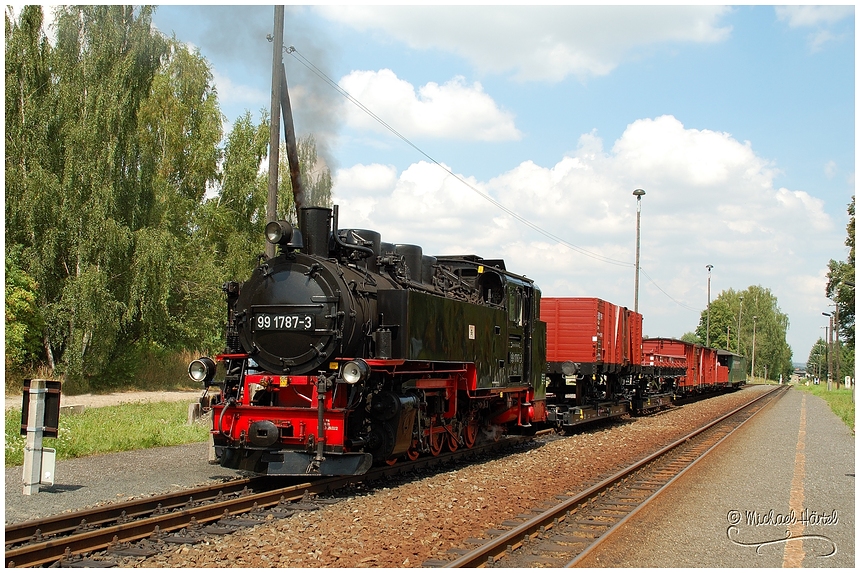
(708, 328)
(638, 194)
(753, 359)
(740, 312)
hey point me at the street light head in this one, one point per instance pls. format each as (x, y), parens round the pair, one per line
(709, 267)
(639, 193)
(826, 314)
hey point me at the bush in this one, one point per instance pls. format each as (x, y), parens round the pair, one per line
(145, 368)
(141, 368)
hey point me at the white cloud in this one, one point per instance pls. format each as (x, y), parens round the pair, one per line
(452, 110)
(809, 16)
(368, 179)
(819, 17)
(709, 200)
(230, 93)
(663, 150)
(542, 42)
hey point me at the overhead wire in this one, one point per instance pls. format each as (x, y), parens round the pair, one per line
(292, 51)
(670, 297)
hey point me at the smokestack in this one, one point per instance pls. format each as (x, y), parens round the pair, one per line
(292, 151)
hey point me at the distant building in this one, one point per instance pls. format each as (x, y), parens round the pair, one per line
(798, 376)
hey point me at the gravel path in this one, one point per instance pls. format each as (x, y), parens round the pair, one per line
(753, 471)
(96, 480)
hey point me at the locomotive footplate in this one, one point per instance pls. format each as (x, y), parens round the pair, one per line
(288, 463)
(575, 415)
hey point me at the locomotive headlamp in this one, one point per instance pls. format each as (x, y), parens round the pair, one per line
(354, 371)
(202, 370)
(279, 232)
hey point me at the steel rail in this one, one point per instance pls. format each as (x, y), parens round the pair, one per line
(48, 551)
(513, 538)
(701, 455)
(63, 523)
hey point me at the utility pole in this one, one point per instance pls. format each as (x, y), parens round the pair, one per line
(836, 352)
(740, 312)
(829, 343)
(753, 360)
(275, 120)
(826, 350)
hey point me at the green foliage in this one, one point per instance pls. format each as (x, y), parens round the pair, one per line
(112, 141)
(816, 364)
(841, 289)
(30, 122)
(846, 364)
(24, 322)
(237, 216)
(80, 191)
(692, 338)
(758, 312)
(124, 213)
(819, 360)
(111, 429)
(841, 401)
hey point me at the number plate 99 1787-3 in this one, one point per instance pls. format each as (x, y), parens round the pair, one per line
(283, 322)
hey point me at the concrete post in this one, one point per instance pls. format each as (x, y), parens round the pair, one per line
(35, 430)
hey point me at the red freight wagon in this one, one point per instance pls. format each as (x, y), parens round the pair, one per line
(714, 374)
(722, 375)
(634, 322)
(707, 367)
(695, 368)
(594, 348)
(597, 335)
(674, 359)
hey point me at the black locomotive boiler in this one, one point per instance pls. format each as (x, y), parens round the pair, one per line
(343, 351)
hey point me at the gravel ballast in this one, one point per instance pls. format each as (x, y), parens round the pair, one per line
(411, 522)
(400, 523)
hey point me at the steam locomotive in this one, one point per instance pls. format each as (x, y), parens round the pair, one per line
(343, 351)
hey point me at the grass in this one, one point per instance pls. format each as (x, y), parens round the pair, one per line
(840, 401)
(111, 429)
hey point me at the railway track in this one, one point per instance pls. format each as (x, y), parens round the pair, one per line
(146, 526)
(561, 534)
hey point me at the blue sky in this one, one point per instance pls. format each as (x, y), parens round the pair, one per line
(737, 121)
